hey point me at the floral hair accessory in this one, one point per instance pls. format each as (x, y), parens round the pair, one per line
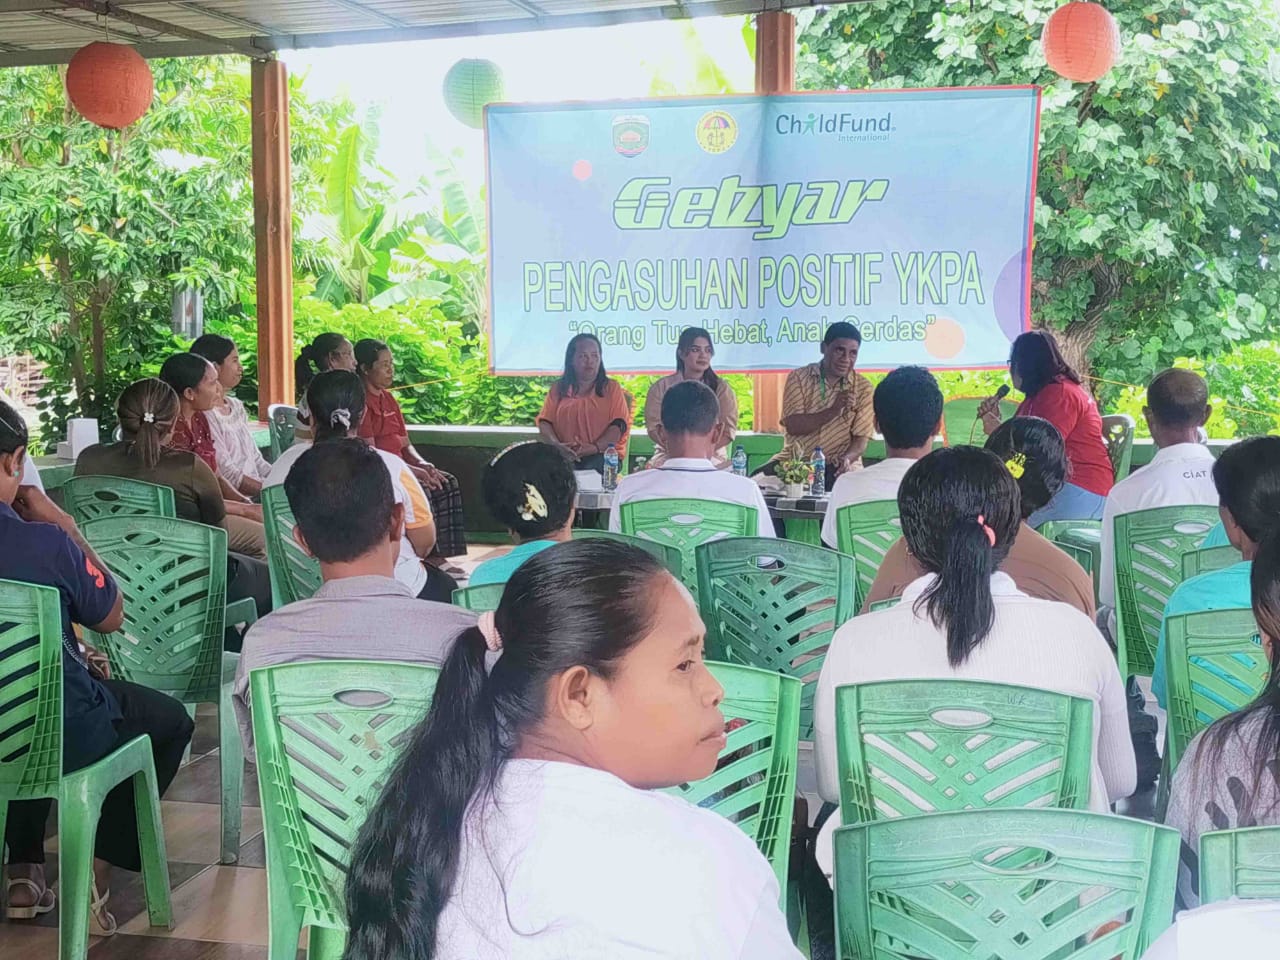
(534, 505)
(148, 417)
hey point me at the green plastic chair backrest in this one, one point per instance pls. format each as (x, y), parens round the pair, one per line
(1148, 557)
(755, 780)
(482, 597)
(173, 575)
(88, 498)
(1054, 529)
(1208, 559)
(1117, 435)
(282, 423)
(774, 604)
(1081, 540)
(685, 524)
(326, 734)
(30, 691)
(1007, 884)
(866, 531)
(1215, 665)
(906, 747)
(668, 553)
(295, 575)
(960, 423)
(1241, 863)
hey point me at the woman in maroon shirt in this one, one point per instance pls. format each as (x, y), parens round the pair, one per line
(1054, 392)
(383, 427)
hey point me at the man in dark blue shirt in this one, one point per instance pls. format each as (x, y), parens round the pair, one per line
(42, 545)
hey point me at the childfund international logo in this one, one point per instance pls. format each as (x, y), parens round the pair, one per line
(846, 127)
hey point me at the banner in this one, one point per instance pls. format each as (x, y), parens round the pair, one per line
(763, 219)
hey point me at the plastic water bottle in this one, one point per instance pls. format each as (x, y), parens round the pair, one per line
(739, 462)
(611, 468)
(819, 487)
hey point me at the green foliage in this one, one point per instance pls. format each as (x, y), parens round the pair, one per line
(1157, 185)
(101, 227)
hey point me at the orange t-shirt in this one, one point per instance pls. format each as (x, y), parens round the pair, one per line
(581, 418)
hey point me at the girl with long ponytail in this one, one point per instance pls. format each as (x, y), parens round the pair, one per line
(963, 618)
(522, 819)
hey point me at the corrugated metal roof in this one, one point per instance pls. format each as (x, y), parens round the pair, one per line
(50, 31)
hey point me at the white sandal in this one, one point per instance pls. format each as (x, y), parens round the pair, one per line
(102, 923)
(44, 899)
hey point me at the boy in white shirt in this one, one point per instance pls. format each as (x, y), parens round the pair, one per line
(689, 414)
(1180, 474)
(908, 411)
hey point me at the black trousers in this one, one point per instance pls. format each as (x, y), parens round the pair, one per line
(246, 577)
(439, 586)
(143, 711)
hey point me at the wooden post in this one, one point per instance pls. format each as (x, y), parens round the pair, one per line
(775, 73)
(273, 232)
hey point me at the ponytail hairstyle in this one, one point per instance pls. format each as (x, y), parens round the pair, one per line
(1263, 744)
(336, 401)
(184, 371)
(583, 603)
(960, 511)
(1036, 357)
(1033, 452)
(147, 411)
(314, 358)
(213, 347)
(530, 488)
(688, 337)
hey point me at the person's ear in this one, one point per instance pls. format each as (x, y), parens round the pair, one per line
(397, 523)
(11, 463)
(301, 541)
(1146, 415)
(573, 693)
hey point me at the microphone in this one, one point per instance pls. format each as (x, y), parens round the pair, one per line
(1002, 392)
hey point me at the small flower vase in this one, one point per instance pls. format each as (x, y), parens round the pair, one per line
(794, 491)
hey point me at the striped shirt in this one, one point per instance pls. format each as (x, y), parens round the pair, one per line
(807, 391)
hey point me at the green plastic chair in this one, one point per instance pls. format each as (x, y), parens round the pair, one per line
(1215, 665)
(941, 886)
(906, 747)
(774, 604)
(480, 598)
(866, 531)
(173, 575)
(960, 423)
(1117, 435)
(1148, 558)
(1208, 559)
(1053, 529)
(31, 764)
(686, 524)
(295, 575)
(282, 421)
(1081, 540)
(326, 734)
(88, 498)
(755, 781)
(668, 553)
(1241, 863)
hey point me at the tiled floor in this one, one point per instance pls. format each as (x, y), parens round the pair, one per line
(220, 912)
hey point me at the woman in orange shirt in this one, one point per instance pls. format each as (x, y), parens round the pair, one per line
(383, 427)
(585, 410)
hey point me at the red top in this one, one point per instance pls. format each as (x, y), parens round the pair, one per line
(1070, 408)
(383, 424)
(196, 438)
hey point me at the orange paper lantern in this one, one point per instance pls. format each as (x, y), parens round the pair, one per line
(110, 84)
(1081, 41)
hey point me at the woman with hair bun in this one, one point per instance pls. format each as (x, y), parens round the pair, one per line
(525, 817)
(530, 489)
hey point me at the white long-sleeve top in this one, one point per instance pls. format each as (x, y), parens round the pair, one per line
(1033, 643)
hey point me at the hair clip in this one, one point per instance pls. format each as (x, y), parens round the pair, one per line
(1017, 465)
(534, 505)
(148, 417)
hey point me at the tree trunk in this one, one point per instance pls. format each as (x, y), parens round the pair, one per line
(63, 262)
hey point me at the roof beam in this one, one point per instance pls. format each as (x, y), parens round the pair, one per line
(113, 11)
(37, 57)
(252, 26)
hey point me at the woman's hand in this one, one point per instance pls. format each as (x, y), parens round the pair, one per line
(989, 413)
(427, 475)
(250, 511)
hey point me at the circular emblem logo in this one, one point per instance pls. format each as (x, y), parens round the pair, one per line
(717, 131)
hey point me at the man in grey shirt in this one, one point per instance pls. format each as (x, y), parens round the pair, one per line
(347, 519)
